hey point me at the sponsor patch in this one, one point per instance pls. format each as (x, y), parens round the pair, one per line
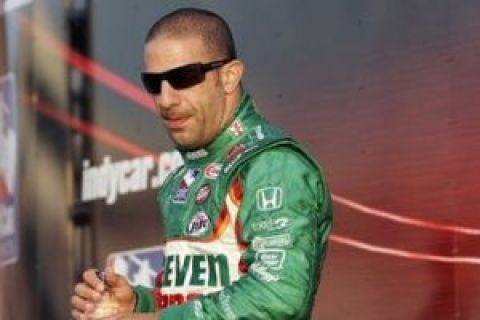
(236, 128)
(202, 194)
(270, 224)
(238, 155)
(263, 273)
(199, 224)
(234, 151)
(212, 171)
(277, 241)
(181, 193)
(166, 300)
(185, 271)
(197, 154)
(272, 258)
(269, 199)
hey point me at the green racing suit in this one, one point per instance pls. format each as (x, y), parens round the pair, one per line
(246, 222)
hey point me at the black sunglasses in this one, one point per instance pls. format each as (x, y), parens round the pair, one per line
(181, 77)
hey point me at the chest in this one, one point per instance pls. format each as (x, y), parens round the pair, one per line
(191, 203)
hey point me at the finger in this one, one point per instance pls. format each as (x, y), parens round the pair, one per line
(90, 277)
(110, 277)
(113, 279)
(76, 315)
(82, 305)
(110, 262)
(84, 291)
(121, 316)
(79, 315)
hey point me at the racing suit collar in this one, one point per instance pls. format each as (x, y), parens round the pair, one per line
(227, 137)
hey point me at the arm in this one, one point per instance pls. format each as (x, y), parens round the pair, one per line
(284, 220)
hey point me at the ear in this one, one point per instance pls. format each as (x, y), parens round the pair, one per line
(231, 75)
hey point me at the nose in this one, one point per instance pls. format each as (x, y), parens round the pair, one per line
(167, 98)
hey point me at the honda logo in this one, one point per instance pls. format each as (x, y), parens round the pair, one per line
(269, 198)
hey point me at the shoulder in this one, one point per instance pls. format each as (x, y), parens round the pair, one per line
(284, 177)
(287, 168)
(283, 160)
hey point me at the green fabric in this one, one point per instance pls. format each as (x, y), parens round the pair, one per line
(288, 293)
(283, 222)
(145, 302)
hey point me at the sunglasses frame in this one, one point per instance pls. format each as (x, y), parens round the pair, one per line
(152, 81)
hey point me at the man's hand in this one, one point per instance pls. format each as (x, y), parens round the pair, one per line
(136, 316)
(89, 292)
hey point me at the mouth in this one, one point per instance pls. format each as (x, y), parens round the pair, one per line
(176, 122)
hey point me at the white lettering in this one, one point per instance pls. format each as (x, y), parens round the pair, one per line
(270, 224)
(262, 272)
(111, 179)
(277, 241)
(167, 163)
(272, 258)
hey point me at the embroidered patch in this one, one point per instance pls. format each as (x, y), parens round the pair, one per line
(202, 194)
(197, 154)
(181, 193)
(234, 151)
(237, 128)
(199, 224)
(212, 171)
(269, 199)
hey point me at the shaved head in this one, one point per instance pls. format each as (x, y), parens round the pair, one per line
(191, 22)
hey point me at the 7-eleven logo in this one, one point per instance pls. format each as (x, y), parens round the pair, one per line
(270, 198)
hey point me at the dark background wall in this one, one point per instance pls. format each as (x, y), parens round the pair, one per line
(384, 95)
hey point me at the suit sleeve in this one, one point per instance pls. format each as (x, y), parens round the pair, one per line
(284, 220)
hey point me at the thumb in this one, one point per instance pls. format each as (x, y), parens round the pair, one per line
(111, 278)
(110, 262)
(120, 288)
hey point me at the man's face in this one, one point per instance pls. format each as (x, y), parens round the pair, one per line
(195, 115)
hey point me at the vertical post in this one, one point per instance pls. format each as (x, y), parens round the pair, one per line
(79, 97)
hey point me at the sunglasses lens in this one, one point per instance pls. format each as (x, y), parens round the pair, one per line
(152, 82)
(179, 78)
(185, 77)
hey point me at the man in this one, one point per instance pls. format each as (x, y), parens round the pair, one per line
(246, 217)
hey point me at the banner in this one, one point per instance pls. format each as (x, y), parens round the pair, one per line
(140, 266)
